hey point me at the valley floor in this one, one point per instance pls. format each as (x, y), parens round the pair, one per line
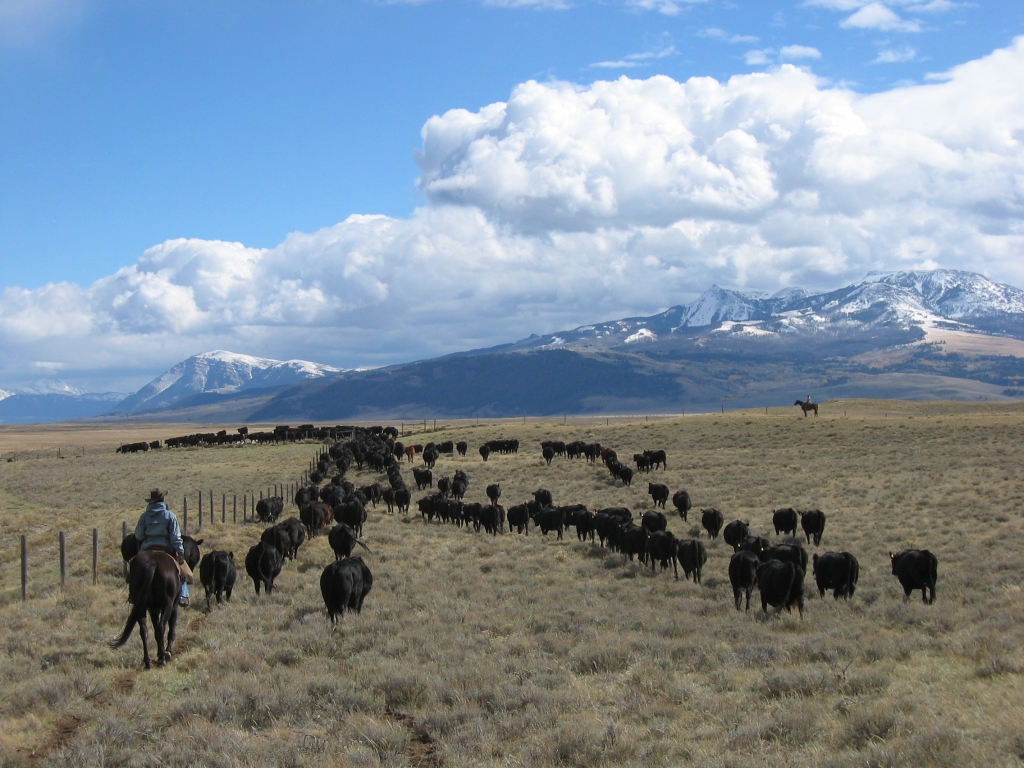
(526, 650)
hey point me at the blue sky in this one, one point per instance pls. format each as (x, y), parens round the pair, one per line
(124, 126)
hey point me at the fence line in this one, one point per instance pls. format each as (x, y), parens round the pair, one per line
(248, 516)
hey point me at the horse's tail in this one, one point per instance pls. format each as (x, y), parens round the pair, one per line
(139, 597)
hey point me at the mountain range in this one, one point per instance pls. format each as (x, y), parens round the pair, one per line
(915, 334)
(211, 375)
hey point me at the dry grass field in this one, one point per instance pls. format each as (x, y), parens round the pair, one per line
(528, 651)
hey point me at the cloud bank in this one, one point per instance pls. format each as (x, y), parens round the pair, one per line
(568, 204)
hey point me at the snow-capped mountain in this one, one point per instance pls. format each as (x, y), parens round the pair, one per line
(221, 372)
(914, 301)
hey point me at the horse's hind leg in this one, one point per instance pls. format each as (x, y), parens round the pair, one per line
(144, 634)
(172, 632)
(158, 630)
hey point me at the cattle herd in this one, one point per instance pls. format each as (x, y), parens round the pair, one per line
(339, 508)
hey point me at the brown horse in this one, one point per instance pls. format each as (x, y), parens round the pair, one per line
(154, 584)
(807, 406)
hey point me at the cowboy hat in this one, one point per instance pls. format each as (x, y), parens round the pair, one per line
(155, 495)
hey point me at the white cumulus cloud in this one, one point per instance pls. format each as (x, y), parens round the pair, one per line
(792, 52)
(566, 204)
(878, 16)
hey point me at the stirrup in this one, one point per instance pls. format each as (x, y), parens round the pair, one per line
(183, 602)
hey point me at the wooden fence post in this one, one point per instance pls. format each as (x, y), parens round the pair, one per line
(224, 508)
(24, 567)
(234, 508)
(95, 555)
(124, 529)
(63, 561)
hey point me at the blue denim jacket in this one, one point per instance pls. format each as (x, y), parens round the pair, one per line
(159, 527)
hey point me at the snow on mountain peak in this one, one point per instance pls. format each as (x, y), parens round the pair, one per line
(718, 304)
(222, 372)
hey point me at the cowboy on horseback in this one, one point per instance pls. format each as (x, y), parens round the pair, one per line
(158, 529)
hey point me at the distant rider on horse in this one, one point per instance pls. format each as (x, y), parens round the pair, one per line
(158, 529)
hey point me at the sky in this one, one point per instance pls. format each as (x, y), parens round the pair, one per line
(363, 183)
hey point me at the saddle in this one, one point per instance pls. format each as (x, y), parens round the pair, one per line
(183, 570)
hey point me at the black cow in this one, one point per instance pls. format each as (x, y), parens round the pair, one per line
(461, 447)
(653, 520)
(428, 506)
(712, 521)
(190, 547)
(217, 573)
(681, 501)
(584, 525)
(657, 459)
(548, 453)
(353, 514)
(634, 542)
(494, 492)
(458, 489)
(786, 553)
(781, 585)
(550, 519)
(837, 571)
(492, 518)
(345, 584)
(755, 544)
(316, 515)
(735, 533)
(659, 493)
(403, 498)
(743, 575)
(388, 495)
(916, 569)
(372, 493)
(519, 518)
(813, 523)
(430, 457)
(424, 478)
(661, 547)
(263, 564)
(625, 474)
(305, 496)
(342, 540)
(784, 521)
(276, 537)
(691, 555)
(543, 497)
(296, 533)
(444, 486)
(643, 462)
(485, 451)
(268, 510)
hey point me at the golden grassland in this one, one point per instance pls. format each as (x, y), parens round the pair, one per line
(514, 650)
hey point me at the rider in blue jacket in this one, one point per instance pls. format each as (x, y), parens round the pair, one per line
(158, 527)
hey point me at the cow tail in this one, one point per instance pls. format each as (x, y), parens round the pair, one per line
(138, 598)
